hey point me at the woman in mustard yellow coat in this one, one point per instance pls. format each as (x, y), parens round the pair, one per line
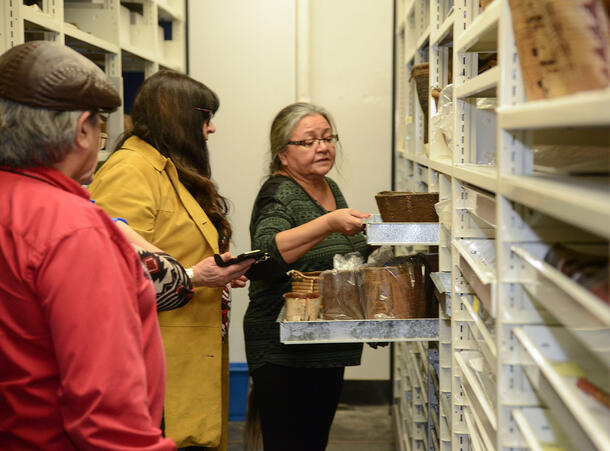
(158, 179)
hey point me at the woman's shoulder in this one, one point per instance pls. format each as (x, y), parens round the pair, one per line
(276, 185)
(136, 153)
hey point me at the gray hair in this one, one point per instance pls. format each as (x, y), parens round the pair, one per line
(284, 124)
(34, 137)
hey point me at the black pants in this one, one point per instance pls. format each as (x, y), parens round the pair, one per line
(296, 405)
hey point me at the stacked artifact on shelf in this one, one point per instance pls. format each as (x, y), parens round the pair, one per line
(563, 46)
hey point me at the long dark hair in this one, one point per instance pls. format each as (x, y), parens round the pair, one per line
(164, 116)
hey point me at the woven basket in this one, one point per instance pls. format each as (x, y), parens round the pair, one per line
(421, 74)
(407, 207)
(305, 282)
(563, 46)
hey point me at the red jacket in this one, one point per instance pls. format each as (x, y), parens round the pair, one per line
(81, 357)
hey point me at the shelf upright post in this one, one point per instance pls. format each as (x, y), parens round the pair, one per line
(464, 68)
(55, 9)
(12, 32)
(115, 125)
(461, 339)
(113, 68)
(438, 62)
(515, 308)
(151, 20)
(400, 88)
(439, 76)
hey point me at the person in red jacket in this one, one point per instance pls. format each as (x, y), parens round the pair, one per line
(81, 358)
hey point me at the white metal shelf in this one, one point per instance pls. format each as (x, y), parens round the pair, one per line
(581, 416)
(585, 109)
(482, 34)
(170, 65)
(423, 387)
(169, 11)
(46, 21)
(539, 429)
(402, 438)
(480, 204)
(484, 176)
(581, 201)
(102, 31)
(483, 85)
(512, 205)
(474, 257)
(142, 53)
(409, 8)
(444, 35)
(442, 284)
(421, 40)
(487, 344)
(480, 405)
(443, 165)
(410, 54)
(572, 304)
(475, 439)
(95, 41)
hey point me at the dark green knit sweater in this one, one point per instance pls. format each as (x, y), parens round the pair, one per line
(282, 204)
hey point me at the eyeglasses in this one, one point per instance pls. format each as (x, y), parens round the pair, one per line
(208, 113)
(309, 143)
(103, 139)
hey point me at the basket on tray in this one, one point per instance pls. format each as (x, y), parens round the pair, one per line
(395, 206)
(305, 282)
(421, 74)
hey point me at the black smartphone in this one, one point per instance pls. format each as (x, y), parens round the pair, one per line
(258, 255)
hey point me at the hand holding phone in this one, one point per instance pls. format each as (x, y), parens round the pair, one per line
(258, 255)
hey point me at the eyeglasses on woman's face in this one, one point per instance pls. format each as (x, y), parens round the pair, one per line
(309, 143)
(207, 114)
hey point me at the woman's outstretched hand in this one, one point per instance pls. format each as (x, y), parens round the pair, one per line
(346, 221)
(207, 273)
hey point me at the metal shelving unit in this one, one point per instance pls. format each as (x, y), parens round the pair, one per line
(526, 321)
(120, 36)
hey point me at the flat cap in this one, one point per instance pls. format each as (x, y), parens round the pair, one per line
(49, 75)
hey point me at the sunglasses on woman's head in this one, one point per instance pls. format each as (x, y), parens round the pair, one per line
(208, 114)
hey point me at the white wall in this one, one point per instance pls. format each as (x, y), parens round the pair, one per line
(262, 55)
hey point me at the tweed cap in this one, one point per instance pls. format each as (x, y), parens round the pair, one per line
(49, 75)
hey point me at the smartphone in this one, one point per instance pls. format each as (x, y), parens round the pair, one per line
(258, 255)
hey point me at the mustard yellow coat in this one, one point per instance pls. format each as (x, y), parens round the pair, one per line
(139, 184)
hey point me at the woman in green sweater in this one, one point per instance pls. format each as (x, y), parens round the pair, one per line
(302, 220)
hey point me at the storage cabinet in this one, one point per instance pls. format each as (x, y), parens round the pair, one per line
(129, 40)
(517, 336)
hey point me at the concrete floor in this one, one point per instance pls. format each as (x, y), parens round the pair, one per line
(362, 428)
